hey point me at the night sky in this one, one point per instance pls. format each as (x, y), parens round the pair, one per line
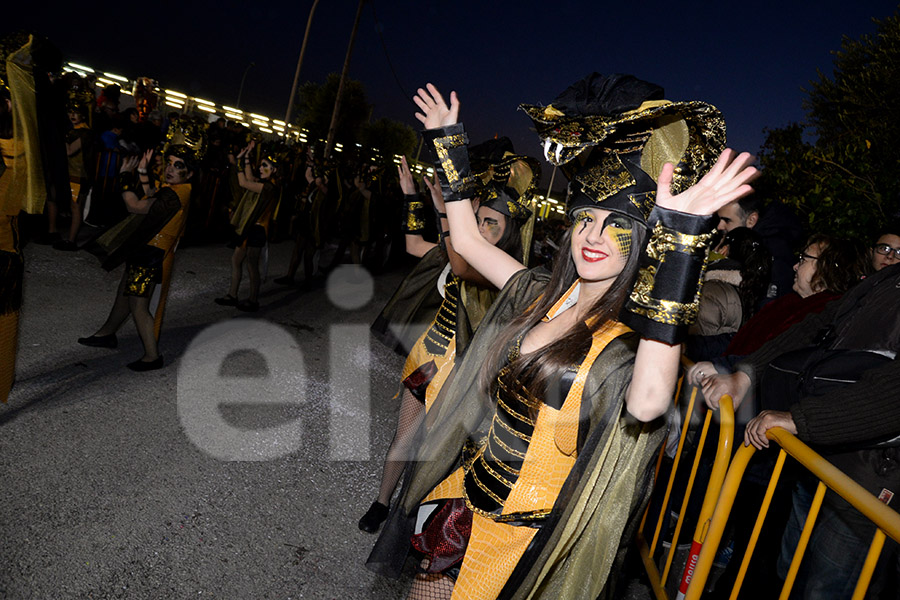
(752, 62)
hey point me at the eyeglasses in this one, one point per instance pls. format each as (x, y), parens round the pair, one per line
(885, 250)
(805, 257)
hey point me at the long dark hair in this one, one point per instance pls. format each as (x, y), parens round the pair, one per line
(511, 240)
(534, 370)
(746, 248)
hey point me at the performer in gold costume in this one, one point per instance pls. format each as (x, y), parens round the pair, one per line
(145, 241)
(21, 189)
(536, 463)
(505, 214)
(251, 218)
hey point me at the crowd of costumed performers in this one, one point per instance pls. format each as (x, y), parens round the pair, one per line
(530, 466)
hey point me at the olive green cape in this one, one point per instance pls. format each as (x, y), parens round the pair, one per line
(593, 518)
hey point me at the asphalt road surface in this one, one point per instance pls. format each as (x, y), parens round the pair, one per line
(237, 471)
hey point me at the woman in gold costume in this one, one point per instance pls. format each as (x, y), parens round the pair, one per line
(145, 241)
(536, 462)
(251, 218)
(503, 215)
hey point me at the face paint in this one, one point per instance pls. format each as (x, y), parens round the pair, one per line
(582, 219)
(176, 170)
(619, 229)
(491, 224)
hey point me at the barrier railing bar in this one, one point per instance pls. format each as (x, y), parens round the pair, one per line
(865, 576)
(716, 480)
(682, 511)
(800, 550)
(757, 527)
(886, 520)
(834, 478)
(675, 463)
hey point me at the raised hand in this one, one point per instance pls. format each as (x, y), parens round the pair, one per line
(145, 159)
(129, 164)
(434, 186)
(726, 182)
(406, 179)
(435, 112)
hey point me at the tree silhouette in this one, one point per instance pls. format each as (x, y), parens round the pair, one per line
(841, 169)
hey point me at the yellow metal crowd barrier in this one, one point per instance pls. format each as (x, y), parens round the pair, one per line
(885, 519)
(658, 581)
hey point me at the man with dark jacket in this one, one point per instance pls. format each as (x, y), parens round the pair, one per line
(781, 232)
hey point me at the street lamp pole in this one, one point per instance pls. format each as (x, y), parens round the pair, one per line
(241, 89)
(290, 106)
(329, 143)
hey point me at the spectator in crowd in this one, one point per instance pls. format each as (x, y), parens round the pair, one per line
(886, 250)
(732, 290)
(781, 232)
(853, 339)
(827, 267)
(107, 107)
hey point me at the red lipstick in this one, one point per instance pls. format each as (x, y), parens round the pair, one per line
(592, 255)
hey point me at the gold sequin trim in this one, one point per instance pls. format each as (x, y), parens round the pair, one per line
(484, 488)
(529, 401)
(513, 413)
(512, 451)
(665, 240)
(140, 280)
(668, 312)
(532, 516)
(606, 179)
(518, 434)
(494, 473)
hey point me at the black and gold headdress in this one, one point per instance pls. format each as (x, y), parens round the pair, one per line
(79, 95)
(505, 181)
(186, 139)
(622, 132)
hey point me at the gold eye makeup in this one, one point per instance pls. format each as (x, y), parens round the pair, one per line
(619, 232)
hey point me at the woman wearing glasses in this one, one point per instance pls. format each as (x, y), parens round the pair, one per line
(886, 251)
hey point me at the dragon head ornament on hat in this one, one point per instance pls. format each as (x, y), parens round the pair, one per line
(611, 135)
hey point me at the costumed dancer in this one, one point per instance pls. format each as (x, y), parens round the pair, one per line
(251, 219)
(505, 217)
(354, 220)
(80, 150)
(538, 459)
(312, 218)
(146, 240)
(21, 189)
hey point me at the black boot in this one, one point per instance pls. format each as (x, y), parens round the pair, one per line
(374, 517)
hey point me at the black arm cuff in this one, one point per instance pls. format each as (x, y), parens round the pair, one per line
(414, 221)
(450, 145)
(127, 182)
(666, 295)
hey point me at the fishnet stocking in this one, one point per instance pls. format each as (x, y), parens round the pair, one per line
(431, 586)
(411, 414)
